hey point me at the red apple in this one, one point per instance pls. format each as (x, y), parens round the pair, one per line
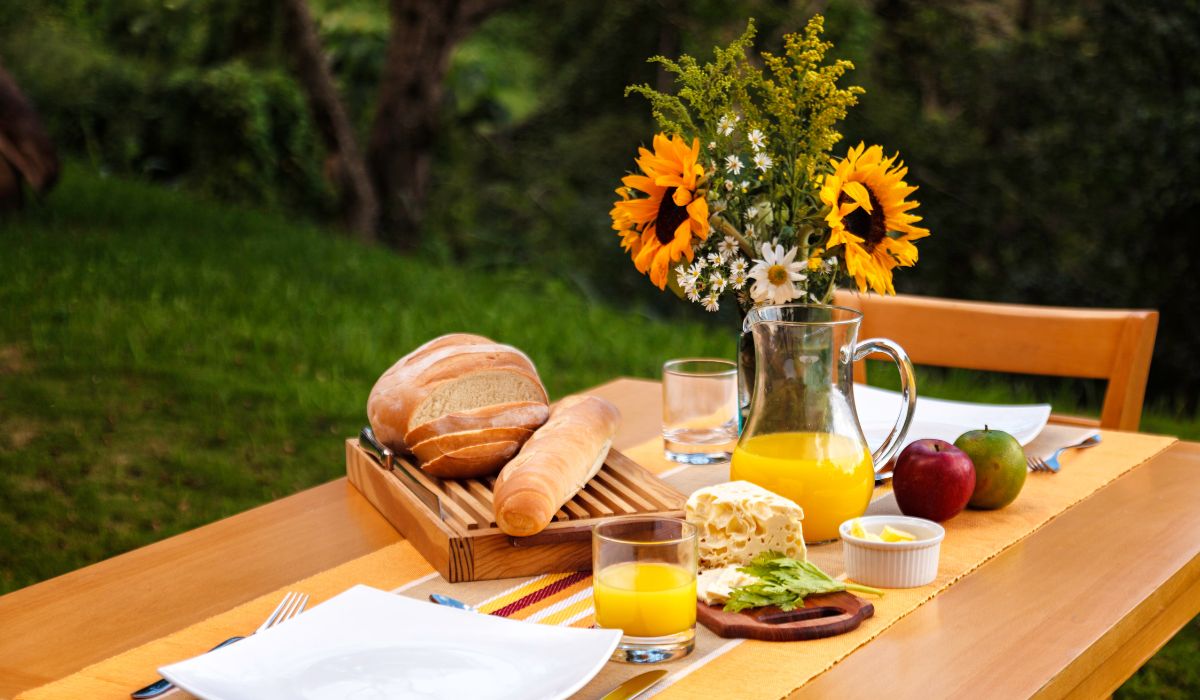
(933, 479)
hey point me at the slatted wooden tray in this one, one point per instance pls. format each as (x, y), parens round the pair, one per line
(463, 542)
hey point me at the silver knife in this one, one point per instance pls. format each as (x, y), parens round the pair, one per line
(388, 460)
(635, 686)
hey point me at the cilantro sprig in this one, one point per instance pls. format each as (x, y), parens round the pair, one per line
(786, 582)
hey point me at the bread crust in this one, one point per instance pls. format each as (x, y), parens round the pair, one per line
(517, 414)
(554, 464)
(402, 389)
(474, 461)
(434, 447)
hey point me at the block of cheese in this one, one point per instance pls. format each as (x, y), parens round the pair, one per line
(738, 520)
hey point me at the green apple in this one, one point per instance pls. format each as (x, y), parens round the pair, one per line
(999, 467)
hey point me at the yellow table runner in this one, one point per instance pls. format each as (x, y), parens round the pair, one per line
(719, 668)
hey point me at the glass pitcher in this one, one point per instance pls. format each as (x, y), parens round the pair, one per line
(802, 438)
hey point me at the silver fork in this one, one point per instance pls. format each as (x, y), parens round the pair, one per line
(1038, 464)
(292, 605)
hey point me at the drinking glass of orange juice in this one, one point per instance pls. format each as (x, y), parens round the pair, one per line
(644, 583)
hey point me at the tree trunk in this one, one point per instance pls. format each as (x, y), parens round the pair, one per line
(346, 166)
(26, 151)
(423, 36)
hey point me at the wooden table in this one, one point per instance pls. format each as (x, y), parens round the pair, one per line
(1070, 611)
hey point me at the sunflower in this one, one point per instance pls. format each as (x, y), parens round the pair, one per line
(661, 227)
(631, 240)
(869, 216)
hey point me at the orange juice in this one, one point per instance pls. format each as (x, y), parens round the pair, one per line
(830, 476)
(645, 599)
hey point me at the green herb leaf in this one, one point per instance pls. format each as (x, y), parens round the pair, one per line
(785, 582)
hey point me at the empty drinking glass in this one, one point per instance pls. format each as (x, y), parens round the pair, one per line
(699, 410)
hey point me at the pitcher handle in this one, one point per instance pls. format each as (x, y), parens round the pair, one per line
(908, 395)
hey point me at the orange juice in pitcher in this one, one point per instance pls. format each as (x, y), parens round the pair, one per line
(802, 439)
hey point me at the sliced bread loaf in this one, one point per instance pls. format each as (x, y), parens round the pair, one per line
(455, 375)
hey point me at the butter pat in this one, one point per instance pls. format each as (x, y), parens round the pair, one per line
(716, 585)
(738, 520)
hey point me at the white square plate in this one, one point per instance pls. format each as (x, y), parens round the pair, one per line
(942, 419)
(367, 644)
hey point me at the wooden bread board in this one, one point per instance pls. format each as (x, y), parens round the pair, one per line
(823, 615)
(466, 545)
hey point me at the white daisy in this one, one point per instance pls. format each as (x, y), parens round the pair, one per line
(717, 283)
(686, 277)
(737, 279)
(697, 268)
(710, 302)
(727, 247)
(749, 229)
(763, 162)
(757, 140)
(733, 164)
(692, 295)
(725, 124)
(752, 212)
(712, 145)
(739, 265)
(775, 275)
(715, 259)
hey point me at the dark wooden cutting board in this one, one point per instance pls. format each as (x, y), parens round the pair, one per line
(824, 615)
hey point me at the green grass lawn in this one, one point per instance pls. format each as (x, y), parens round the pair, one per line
(166, 361)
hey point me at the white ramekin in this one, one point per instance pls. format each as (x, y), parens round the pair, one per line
(893, 564)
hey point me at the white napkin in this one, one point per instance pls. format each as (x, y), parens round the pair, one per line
(1054, 436)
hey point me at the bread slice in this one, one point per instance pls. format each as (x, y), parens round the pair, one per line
(517, 414)
(434, 447)
(451, 374)
(475, 389)
(474, 461)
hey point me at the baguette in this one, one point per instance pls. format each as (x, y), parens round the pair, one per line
(554, 464)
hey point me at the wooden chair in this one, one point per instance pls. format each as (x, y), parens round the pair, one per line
(1109, 344)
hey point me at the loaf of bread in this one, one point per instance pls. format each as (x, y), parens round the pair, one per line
(486, 393)
(554, 464)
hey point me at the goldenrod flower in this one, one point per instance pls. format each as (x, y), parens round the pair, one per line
(869, 216)
(673, 215)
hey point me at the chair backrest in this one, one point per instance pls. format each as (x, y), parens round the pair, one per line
(1109, 344)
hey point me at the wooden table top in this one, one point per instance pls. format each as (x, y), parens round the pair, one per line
(1071, 611)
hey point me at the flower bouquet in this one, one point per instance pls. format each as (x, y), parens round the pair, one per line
(740, 196)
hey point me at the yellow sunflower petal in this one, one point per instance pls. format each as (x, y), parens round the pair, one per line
(698, 212)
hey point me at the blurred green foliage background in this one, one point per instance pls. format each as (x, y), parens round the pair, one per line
(1057, 145)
